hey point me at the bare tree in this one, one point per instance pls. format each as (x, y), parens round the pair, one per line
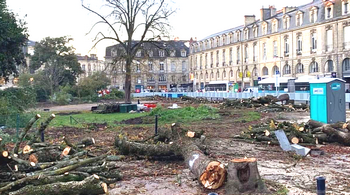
(141, 20)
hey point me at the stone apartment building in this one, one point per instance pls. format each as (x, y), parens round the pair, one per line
(308, 40)
(90, 64)
(161, 65)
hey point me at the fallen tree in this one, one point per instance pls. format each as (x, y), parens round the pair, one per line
(211, 174)
(312, 132)
(44, 168)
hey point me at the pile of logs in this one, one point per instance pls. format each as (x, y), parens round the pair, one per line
(242, 174)
(312, 132)
(33, 167)
(266, 104)
(191, 100)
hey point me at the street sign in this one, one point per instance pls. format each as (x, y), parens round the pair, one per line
(277, 83)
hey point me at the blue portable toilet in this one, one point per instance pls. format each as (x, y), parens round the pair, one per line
(327, 100)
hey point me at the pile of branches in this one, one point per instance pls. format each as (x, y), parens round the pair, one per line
(31, 166)
(312, 132)
(191, 100)
(265, 104)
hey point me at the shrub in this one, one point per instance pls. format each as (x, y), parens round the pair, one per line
(16, 100)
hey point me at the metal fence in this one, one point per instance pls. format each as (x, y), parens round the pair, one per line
(228, 95)
(11, 125)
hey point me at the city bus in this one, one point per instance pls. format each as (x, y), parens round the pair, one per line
(219, 86)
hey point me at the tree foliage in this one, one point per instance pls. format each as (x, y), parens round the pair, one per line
(90, 85)
(13, 36)
(57, 61)
(16, 100)
(142, 20)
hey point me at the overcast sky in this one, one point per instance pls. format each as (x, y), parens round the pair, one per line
(194, 18)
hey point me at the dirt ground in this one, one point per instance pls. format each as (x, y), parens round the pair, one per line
(159, 176)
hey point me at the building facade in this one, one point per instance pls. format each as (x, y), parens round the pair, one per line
(161, 65)
(90, 64)
(308, 40)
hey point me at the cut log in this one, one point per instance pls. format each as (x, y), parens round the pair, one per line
(91, 185)
(24, 133)
(243, 176)
(293, 139)
(87, 141)
(339, 136)
(314, 124)
(211, 174)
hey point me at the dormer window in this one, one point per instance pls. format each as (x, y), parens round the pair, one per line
(246, 34)
(255, 31)
(286, 22)
(172, 53)
(328, 9)
(299, 18)
(138, 53)
(150, 53)
(223, 39)
(264, 28)
(238, 36)
(313, 14)
(345, 7)
(161, 53)
(274, 25)
(183, 53)
(231, 38)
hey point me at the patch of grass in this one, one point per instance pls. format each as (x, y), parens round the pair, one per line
(79, 120)
(187, 114)
(248, 116)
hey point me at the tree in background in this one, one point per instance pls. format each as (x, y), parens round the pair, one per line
(141, 20)
(90, 85)
(13, 36)
(56, 62)
(38, 83)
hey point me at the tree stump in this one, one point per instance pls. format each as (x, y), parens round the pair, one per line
(243, 176)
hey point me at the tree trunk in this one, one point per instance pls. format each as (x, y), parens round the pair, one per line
(211, 174)
(243, 176)
(89, 186)
(128, 81)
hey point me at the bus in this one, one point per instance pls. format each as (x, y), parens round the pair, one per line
(219, 86)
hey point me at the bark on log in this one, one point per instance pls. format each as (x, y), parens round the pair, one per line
(41, 129)
(50, 172)
(89, 186)
(211, 174)
(341, 137)
(24, 133)
(243, 176)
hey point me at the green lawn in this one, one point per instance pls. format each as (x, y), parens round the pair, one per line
(78, 120)
(248, 116)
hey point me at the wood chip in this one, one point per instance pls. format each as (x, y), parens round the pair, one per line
(191, 134)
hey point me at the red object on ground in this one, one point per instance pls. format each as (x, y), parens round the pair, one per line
(150, 105)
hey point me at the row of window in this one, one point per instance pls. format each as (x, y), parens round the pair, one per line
(92, 67)
(313, 68)
(161, 53)
(286, 20)
(299, 49)
(162, 78)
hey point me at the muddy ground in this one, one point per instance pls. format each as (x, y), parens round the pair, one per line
(162, 176)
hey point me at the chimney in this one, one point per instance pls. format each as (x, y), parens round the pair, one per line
(273, 10)
(265, 13)
(248, 19)
(288, 9)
